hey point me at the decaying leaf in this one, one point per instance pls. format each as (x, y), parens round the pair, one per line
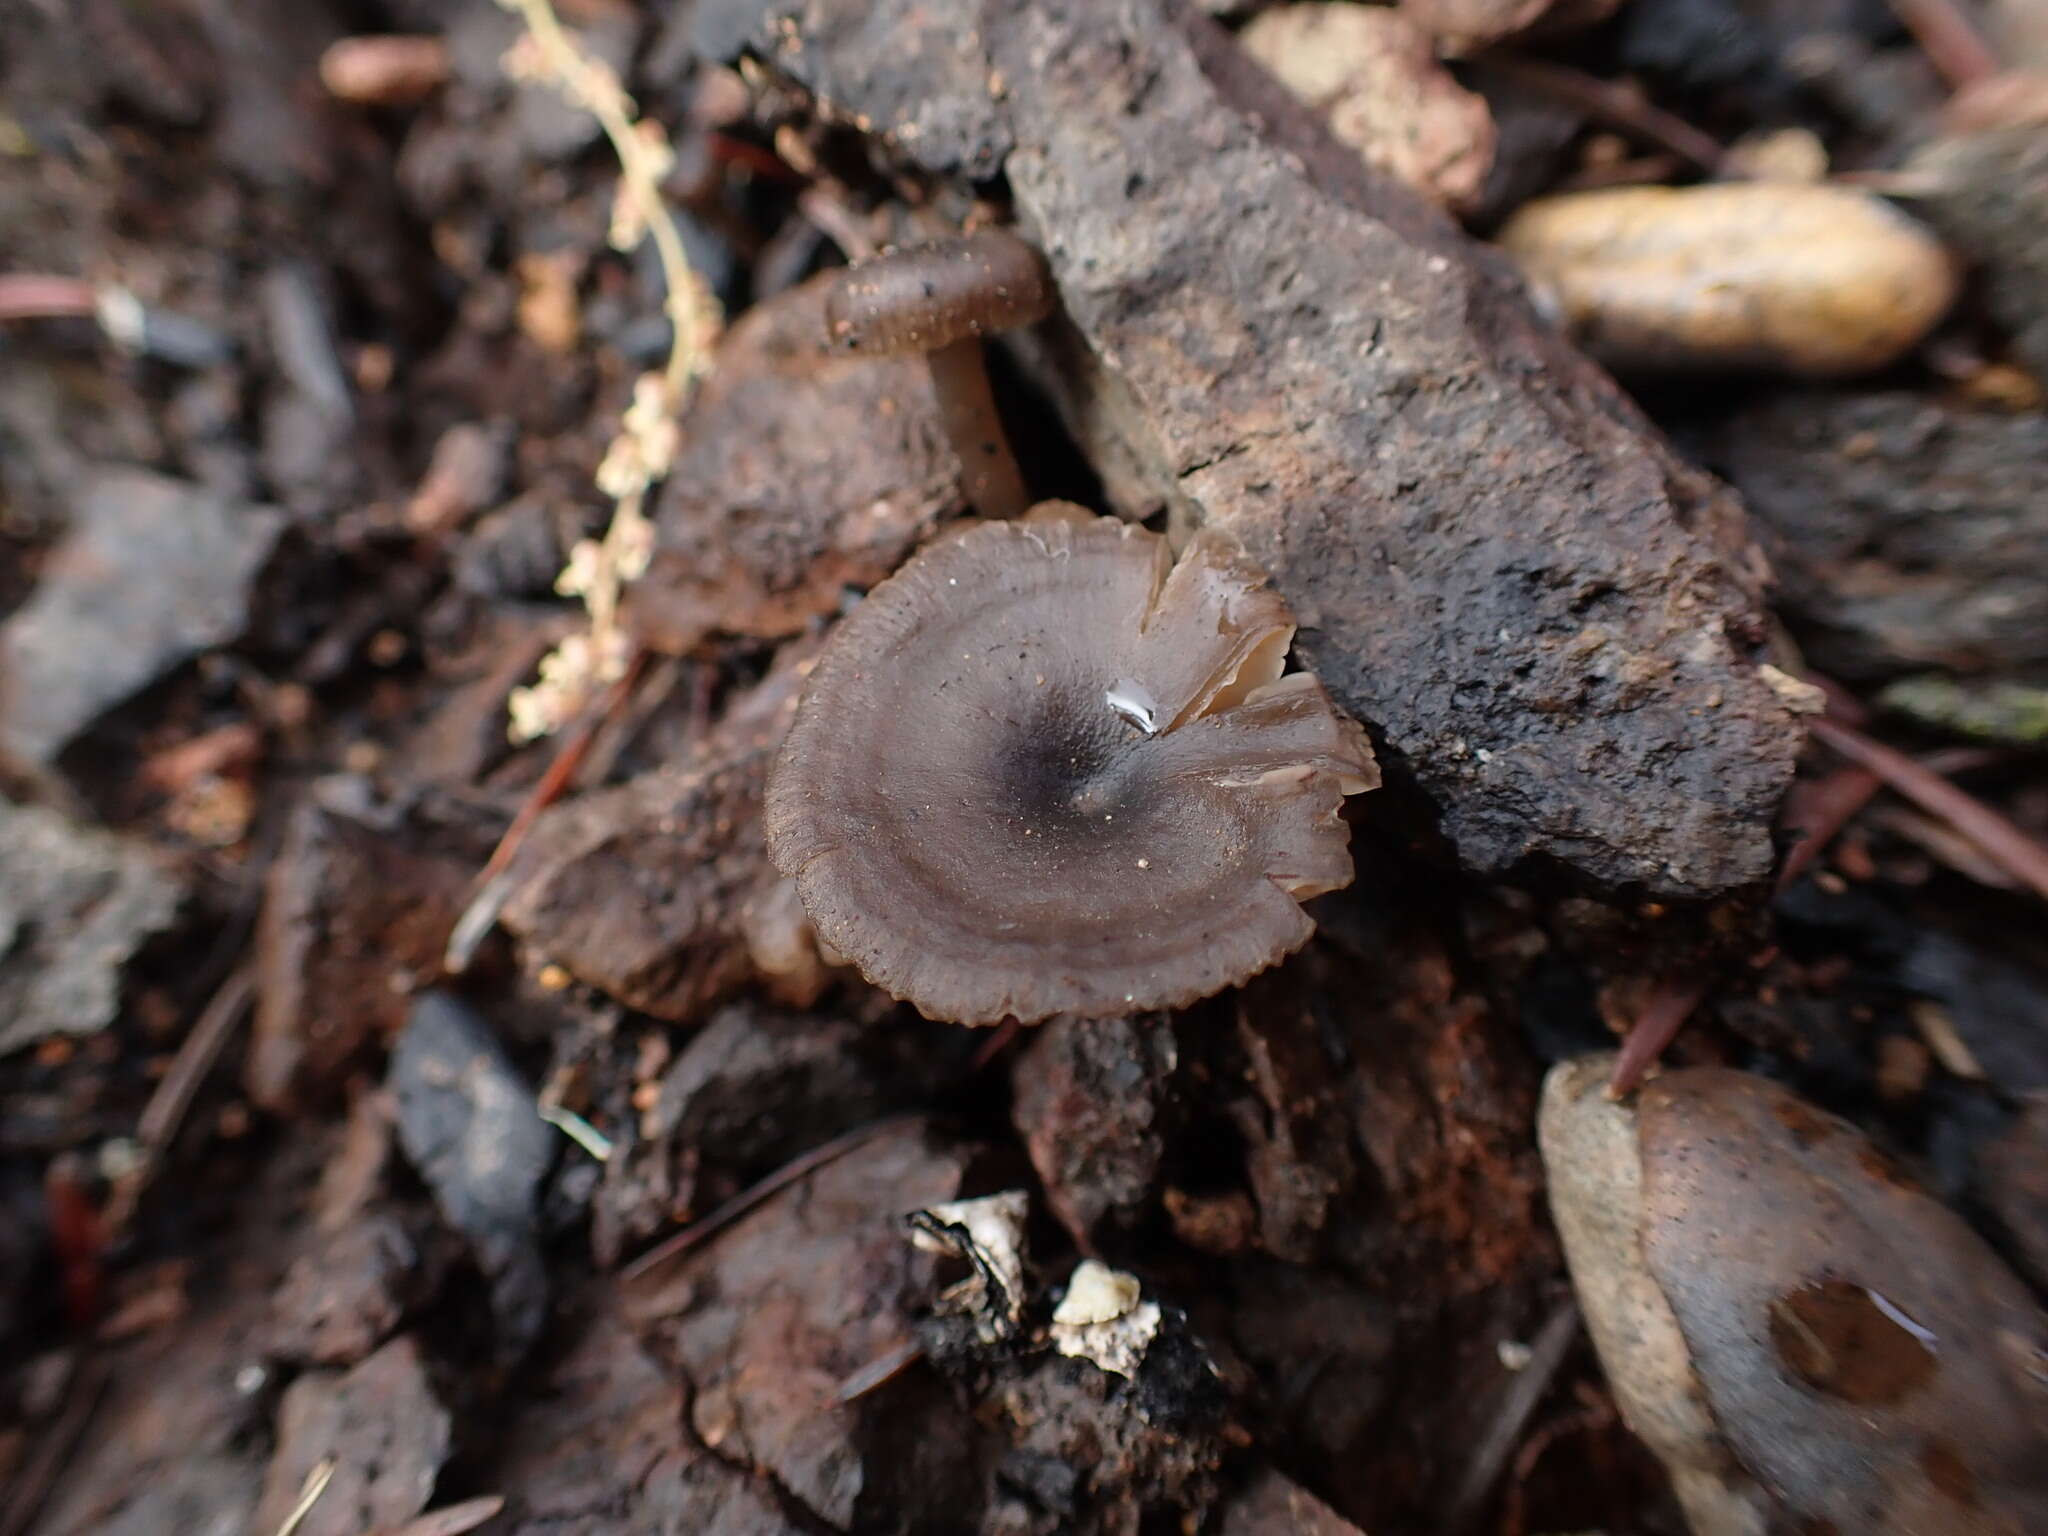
(1373, 74)
(1817, 281)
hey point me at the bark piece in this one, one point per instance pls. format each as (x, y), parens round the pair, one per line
(900, 68)
(1991, 200)
(1091, 1096)
(1497, 564)
(75, 903)
(386, 1431)
(336, 957)
(153, 572)
(604, 1451)
(770, 1318)
(1909, 532)
(646, 890)
(351, 1288)
(1272, 1505)
(801, 474)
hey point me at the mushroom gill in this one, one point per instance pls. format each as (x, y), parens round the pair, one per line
(1045, 768)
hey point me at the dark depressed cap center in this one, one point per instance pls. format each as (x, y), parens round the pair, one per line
(1046, 769)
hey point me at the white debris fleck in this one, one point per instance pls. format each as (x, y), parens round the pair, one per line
(988, 1232)
(1801, 698)
(1104, 1319)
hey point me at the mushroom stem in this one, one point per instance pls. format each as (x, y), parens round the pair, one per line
(967, 407)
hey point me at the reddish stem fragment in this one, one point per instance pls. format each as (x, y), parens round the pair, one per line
(1670, 1005)
(1950, 40)
(79, 1237)
(40, 296)
(2000, 839)
(1617, 105)
(1820, 808)
(493, 889)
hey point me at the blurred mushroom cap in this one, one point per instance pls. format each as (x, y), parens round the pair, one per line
(1045, 769)
(922, 297)
(1780, 1311)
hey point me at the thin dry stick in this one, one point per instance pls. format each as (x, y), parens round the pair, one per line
(454, 1519)
(1950, 40)
(745, 1201)
(165, 1112)
(1615, 105)
(309, 1495)
(494, 885)
(33, 1483)
(2002, 841)
(878, 1372)
(41, 296)
(1524, 1391)
(1820, 809)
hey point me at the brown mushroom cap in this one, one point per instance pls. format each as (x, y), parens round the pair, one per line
(1045, 769)
(923, 297)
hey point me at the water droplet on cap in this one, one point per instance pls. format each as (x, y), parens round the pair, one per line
(1133, 702)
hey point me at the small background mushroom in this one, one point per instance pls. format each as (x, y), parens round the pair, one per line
(1044, 769)
(939, 300)
(1762, 1282)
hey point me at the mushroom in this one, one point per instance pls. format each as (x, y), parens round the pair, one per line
(939, 300)
(1046, 769)
(1806, 1339)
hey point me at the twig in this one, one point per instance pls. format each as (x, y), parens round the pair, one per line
(2002, 841)
(995, 1045)
(1950, 40)
(25, 1496)
(494, 885)
(157, 1127)
(1942, 843)
(789, 1173)
(1819, 809)
(454, 1519)
(1590, 1417)
(309, 1495)
(41, 296)
(1618, 106)
(878, 1372)
(1671, 1004)
(1523, 1393)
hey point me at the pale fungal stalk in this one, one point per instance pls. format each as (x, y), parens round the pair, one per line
(641, 454)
